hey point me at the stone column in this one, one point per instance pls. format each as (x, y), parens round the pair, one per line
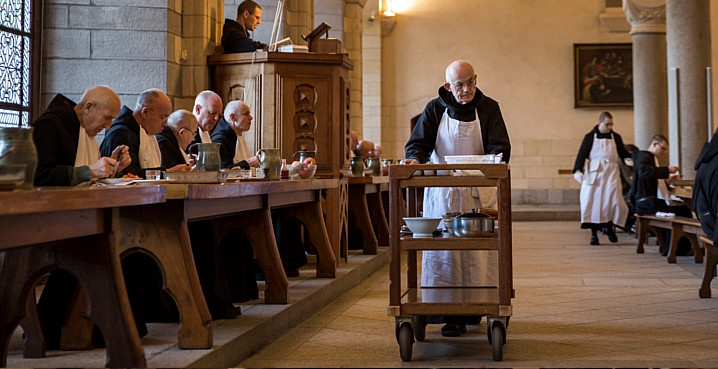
(689, 50)
(650, 86)
(352, 39)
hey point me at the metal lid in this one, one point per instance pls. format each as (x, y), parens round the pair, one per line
(474, 214)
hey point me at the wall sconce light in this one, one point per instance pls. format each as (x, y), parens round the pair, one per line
(387, 24)
(388, 17)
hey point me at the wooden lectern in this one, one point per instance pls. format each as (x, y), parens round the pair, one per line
(299, 101)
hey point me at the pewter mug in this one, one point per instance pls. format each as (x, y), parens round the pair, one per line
(208, 159)
(357, 166)
(269, 159)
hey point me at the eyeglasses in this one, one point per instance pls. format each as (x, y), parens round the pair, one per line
(461, 85)
(662, 147)
(162, 116)
(194, 133)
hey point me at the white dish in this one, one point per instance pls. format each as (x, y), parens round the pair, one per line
(469, 159)
(151, 181)
(423, 235)
(117, 181)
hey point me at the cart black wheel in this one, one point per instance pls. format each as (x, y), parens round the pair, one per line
(497, 342)
(419, 324)
(405, 342)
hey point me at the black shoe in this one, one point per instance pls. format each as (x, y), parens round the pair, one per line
(451, 330)
(226, 312)
(594, 240)
(611, 235)
(294, 272)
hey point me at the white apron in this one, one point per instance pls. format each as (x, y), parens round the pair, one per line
(456, 268)
(601, 198)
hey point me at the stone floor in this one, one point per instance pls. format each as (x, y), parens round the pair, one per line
(576, 305)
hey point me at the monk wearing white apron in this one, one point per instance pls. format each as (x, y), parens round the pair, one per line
(602, 202)
(460, 121)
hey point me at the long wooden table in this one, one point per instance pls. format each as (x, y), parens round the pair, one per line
(162, 231)
(75, 229)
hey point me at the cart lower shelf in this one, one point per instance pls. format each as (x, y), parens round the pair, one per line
(450, 301)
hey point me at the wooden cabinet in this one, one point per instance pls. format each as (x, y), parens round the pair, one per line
(298, 101)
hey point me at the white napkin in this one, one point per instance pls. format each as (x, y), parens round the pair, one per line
(87, 150)
(661, 214)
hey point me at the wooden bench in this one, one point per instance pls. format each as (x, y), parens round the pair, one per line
(679, 226)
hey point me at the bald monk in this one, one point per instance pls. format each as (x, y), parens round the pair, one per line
(64, 135)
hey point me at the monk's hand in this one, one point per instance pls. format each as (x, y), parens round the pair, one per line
(122, 153)
(578, 176)
(102, 168)
(411, 161)
(180, 168)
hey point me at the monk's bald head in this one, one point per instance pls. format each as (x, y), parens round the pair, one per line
(461, 81)
(457, 69)
(97, 108)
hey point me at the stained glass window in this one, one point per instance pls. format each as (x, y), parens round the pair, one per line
(15, 62)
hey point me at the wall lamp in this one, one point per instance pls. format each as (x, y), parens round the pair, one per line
(388, 17)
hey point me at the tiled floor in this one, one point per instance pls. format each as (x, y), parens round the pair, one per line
(576, 305)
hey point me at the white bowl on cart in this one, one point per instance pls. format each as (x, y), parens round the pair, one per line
(422, 227)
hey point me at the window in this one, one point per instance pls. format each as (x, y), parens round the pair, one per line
(19, 61)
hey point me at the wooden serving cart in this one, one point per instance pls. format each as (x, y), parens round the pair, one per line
(408, 303)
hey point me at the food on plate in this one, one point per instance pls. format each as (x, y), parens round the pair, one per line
(130, 175)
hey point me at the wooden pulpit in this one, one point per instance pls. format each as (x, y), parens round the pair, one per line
(299, 101)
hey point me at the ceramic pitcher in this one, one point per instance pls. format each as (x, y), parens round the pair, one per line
(304, 154)
(269, 158)
(375, 165)
(357, 166)
(17, 147)
(208, 159)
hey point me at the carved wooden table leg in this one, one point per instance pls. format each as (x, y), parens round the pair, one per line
(676, 234)
(34, 338)
(162, 231)
(336, 208)
(256, 225)
(95, 263)
(359, 209)
(376, 209)
(310, 214)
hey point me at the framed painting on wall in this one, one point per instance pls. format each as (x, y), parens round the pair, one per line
(603, 75)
